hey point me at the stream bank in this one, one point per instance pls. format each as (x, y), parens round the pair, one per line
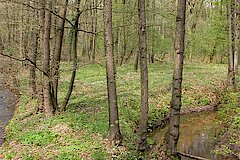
(198, 136)
(7, 105)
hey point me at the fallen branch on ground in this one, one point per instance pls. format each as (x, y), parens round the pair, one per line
(191, 156)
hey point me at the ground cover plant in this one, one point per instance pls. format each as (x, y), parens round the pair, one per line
(82, 130)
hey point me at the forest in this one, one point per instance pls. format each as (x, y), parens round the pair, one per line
(119, 79)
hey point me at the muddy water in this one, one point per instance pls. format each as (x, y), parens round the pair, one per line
(7, 104)
(197, 136)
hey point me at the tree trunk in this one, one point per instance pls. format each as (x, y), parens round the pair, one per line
(95, 30)
(33, 57)
(58, 51)
(153, 33)
(114, 129)
(237, 38)
(41, 22)
(174, 121)
(142, 140)
(48, 105)
(74, 51)
(1, 45)
(231, 73)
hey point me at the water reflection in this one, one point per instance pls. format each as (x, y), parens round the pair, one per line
(197, 136)
(7, 103)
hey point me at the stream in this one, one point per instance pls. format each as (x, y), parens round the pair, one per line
(7, 104)
(197, 136)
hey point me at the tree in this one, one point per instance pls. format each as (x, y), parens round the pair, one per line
(58, 50)
(48, 101)
(142, 140)
(173, 131)
(33, 58)
(41, 37)
(231, 74)
(74, 51)
(1, 45)
(114, 129)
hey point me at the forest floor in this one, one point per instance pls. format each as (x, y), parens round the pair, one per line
(82, 130)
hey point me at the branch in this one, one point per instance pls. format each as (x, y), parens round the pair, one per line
(26, 59)
(191, 156)
(87, 31)
(51, 11)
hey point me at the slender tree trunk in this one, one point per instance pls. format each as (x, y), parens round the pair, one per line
(142, 140)
(21, 36)
(114, 129)
(173, 131)
(41, 34)
(8, 25)
(95, 4)
(1, 45)
(48, 105)
(33, 57)
(74, 51)
(237, 38)
(231, 73)
(153, 33)
(58, 51)
(124, 45)
(136, 62)
(71, 35)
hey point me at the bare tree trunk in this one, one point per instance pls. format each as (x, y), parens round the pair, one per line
(58, 51)
(48, 105)
(124, 45)
(41, 22)
(114, 129)
(21, 36)
(74, 51)
(231, 73)
(142, 140)
(1, 45)
(95, 4)
(153, 33)
(136, 62)
(71, 35)
(33, 57)
(8, 25)
(237, 38)
(173, 131)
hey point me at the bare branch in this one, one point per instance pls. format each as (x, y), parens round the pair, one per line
(26, 59)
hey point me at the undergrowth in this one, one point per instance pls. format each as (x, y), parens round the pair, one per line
(229, 119)
(80, 132)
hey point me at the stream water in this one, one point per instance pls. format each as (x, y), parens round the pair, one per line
(197, 136)
(7, 104)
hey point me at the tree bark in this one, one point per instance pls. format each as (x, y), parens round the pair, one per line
(58, 51)
(74, 51)
(48, 105)
(114, 129)
(124, 46)
(237, 38)
(153, 33)
(231, 73)
(33, 57)
(142, 140)
(174, 121)
(41, 34)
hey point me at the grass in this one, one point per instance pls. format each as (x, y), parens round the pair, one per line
(82, 129)
(229, 119)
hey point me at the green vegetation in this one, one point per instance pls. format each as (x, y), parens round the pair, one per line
(230, 120)
(82, 130)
